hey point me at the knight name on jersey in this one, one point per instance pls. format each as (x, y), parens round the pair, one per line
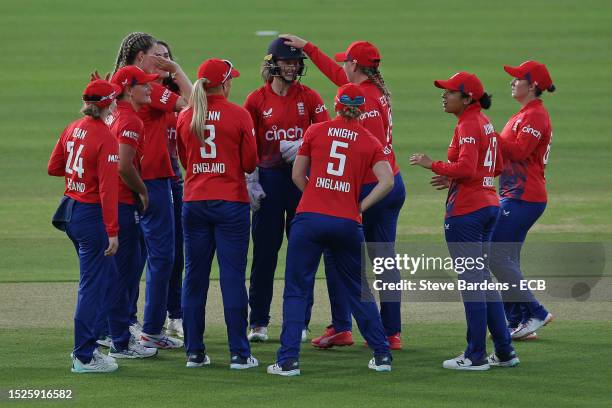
(342, 133)
(293, 133)
(75, 185)
(218, 168)
(79, 133)
(335, 185)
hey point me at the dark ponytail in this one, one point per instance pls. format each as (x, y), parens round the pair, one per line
(539, 92)
(485, 101)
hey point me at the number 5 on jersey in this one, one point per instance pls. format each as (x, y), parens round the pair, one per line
(209, 149)
(335, 154)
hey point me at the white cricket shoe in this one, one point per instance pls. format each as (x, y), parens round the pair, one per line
(174, 327)
(305, 335)
(134, 350)
(258, 334)
(98, 364)
(241, 363)
(160, 341)
(104, 341)
(462, 363)
(380, 363)
(106, 357)
(289, 369)
(509, 361)
(197, 360)
(136, 329)
(530, 326)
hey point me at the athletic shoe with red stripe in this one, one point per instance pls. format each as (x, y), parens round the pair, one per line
(330, 338)
(395, 342)
(160, 341)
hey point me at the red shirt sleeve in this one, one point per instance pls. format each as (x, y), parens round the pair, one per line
(378, 152)
(181, 147)
(499, 160)
(327, 65)
(57, 161)
(304, 149)
(318, 110)
(130, 133)
(108, 183)
(248, 146)
(162, 98)
(467, 160)
(527, 139)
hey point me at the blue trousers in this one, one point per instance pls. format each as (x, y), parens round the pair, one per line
(87, 233)
(176, 280)
(379, 225)
(134, 291)
(468, 236)
(311, 234)
(222, 226)
(270, 223)
(157, 225)
(515, 219)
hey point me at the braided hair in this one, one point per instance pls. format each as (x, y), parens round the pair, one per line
(375, 76)
(131, 45)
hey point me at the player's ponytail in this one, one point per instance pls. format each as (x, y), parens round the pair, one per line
(485, 101)
(92, 110)
(130, 46)
(199, 106)
(375, 76)
(349, 112)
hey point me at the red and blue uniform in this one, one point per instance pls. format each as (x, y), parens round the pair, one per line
(276, 118)
(341, 154)
(525, 141)
(379, 221)
(216, 218)
(86, 155)
(474, 159)
(157, 223)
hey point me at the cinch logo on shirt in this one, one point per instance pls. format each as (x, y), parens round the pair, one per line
(79, 133)
(284, 134)
(165, 96)
(534, 132)
(267, 113)
(467, 139)
(320, 108)
(113, 158)
(130, 135)
(371, 114)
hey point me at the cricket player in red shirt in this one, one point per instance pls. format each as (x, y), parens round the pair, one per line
(361, 62)
(86, 156)
(282, 110)
(474, 159)
(157, 223)
(525, 141)
(330, 167)
(216, 146)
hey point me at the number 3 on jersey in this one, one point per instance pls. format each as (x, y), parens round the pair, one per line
(209, 149)
(76, 164)
(333, 153)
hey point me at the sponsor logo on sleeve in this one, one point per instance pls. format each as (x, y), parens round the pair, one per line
(165, 97)
(130, 135)
(113, 158)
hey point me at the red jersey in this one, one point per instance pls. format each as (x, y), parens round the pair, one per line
(128, 128)
(171, 118)
(279, 118)
(525, 143)
(156, 160)
(474, 159)
(215, 169)
(377, 117)
(86, 155)
(341, 154)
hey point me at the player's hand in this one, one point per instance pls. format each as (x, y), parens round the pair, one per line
(144, 202)
(95, 76)
(440, 182)
(294, 41)
(113, 246)
(255, 190)
(421, 159)
(162, 64)
(289, 149)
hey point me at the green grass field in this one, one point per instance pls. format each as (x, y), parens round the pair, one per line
(49, 49)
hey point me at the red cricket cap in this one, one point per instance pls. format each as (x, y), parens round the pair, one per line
(131, 75)
(349, 95)
(101, 93)
(532, 71)
(465, 82)
(365, 53)
(217, 71)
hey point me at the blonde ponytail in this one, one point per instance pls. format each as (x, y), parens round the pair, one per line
(199, 105)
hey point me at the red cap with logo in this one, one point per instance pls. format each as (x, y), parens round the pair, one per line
(217, 71)
(365, 53)
(349, 95)
(464, 82)
(131, 75)
(532, 71)
(101, 93)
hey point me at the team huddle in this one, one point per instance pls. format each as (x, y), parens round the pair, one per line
(280, 165)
